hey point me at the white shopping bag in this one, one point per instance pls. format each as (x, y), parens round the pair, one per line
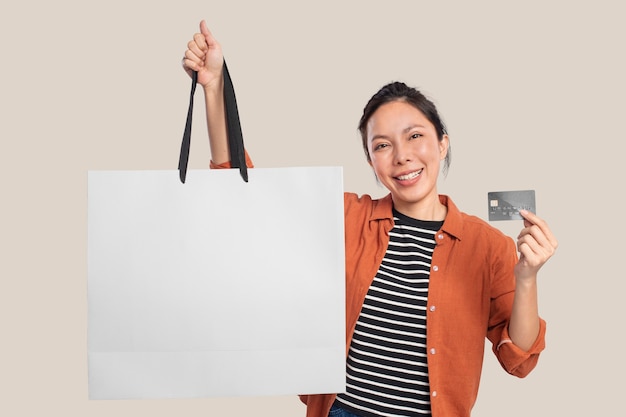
(215, 287)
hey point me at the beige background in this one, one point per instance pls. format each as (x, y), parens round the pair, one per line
(532, 92)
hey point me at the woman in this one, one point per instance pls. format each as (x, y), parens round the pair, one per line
(425, 283)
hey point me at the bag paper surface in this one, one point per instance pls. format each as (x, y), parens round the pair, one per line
(215, 287)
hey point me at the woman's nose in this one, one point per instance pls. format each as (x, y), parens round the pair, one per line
(401, 154)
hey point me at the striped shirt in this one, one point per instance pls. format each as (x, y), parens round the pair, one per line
(387, 371)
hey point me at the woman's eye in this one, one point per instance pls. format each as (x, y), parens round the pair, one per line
(380, 146)
(416, 136)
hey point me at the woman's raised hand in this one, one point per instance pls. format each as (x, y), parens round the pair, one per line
(536, 244)
(204, 55)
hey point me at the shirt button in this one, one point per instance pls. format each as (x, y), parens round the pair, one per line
(432, 308)
(435, 268)
(434, 393)
(440, 236)
(432, 351)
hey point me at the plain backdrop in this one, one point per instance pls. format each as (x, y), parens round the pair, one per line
(532, 93)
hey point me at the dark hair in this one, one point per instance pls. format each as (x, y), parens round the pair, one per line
(399, 91)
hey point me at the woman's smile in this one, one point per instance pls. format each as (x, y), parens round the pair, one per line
(409, 176)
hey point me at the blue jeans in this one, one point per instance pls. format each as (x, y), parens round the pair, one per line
(336, 411)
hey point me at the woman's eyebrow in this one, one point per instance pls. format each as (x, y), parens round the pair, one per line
(411, 127)
(405, 130)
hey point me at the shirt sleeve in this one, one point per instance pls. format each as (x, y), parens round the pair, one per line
(226, 165)
(513, 359)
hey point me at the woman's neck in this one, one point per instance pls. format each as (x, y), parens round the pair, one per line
(430, 210)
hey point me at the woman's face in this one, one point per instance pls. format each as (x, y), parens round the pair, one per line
(405, 154)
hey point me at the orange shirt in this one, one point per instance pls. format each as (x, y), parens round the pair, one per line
(469, 298)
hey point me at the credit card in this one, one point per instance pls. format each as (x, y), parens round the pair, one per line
(505, 205)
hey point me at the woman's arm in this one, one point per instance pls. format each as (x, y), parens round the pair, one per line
(536, 244)
(204, 55)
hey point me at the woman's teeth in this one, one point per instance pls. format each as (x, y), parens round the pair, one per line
(410, 176)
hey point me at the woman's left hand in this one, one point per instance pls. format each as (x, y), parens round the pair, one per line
(536, 244)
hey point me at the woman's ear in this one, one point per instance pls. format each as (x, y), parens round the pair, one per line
(369, 161)
(444, 144)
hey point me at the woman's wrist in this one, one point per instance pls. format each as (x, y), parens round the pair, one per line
(214, 88)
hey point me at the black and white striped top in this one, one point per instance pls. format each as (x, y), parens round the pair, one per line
(387, 372)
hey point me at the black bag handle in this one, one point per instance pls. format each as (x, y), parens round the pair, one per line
(233, 129)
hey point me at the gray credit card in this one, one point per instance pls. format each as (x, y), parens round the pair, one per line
(505, 205)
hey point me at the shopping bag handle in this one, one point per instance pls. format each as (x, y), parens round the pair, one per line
(233, 129)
